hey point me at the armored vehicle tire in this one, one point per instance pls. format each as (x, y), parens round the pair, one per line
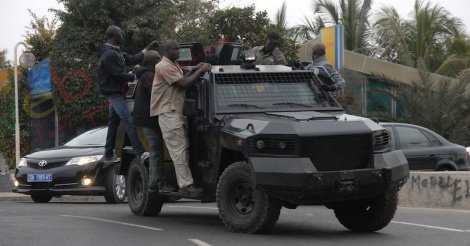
(141, 201)
(242, 207)
(368, 215)
(41, 198)
(115, 187)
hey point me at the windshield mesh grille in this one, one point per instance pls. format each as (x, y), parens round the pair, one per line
(260, 91)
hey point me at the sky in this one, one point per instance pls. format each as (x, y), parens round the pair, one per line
(14, 15)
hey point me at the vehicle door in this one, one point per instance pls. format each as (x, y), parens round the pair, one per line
(416, 147)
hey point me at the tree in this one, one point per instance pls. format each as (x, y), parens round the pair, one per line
(7, 120)
(77, 41)
(239, 25)
(288, 35)
(352, 14)
(191, 21)
(40, 35)
(442, 106)
(4, 62)
(425, 37)
(459, 59)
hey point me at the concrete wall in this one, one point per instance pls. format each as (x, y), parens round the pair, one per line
(450, 190)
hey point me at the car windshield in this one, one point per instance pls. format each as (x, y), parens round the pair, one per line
(95, 137)
(262, 92)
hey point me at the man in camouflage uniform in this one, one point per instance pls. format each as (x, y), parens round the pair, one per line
(269, 54)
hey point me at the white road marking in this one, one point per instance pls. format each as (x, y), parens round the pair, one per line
(114, 222)
(171, 206)
(431, 227)
(437, 209)
(199, 242)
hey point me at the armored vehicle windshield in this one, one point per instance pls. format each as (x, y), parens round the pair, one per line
(272, 88)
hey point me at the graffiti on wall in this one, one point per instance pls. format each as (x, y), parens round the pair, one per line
(454, 185)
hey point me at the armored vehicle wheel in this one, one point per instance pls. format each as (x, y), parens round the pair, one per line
(368, 215)
(115, 187)
(242, 207)
(41, 198)
(141, 201)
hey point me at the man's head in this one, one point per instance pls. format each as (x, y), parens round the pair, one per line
(172, 50)
(151, 58)
(114, 35)
(318, 50)
(272, 41)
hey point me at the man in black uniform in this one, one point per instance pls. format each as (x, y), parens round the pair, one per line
(149, 125)
(112, 77)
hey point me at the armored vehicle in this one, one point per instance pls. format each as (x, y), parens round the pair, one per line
(265, 138)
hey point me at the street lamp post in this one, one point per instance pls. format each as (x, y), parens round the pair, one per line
(27, 60)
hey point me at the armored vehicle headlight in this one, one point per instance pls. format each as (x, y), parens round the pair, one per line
(260, 144)
(273, 146)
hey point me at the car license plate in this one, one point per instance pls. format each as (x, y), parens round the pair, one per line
(43, 177)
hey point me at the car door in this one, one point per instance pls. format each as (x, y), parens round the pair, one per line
(416, 147)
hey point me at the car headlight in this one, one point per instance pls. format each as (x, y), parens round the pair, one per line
(83, 160)
(23, 162)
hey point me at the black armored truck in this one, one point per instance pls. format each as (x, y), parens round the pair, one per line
(265, 137)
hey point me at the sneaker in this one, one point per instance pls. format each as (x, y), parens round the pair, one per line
(165, 188)
(144, 157)
(191, 190)
(111, 159)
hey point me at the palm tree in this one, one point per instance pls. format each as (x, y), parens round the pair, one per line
(425, 37)
(289, 35)
(458, 61)
(438, 105)
(353, 14)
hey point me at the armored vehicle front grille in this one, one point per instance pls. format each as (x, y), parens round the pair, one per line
(381, 139)
(50, 165)
(335, 153)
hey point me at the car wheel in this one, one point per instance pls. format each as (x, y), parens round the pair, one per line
(115, 187)
(368, 215)
(141, 201)
(242, 207)
(41, 198)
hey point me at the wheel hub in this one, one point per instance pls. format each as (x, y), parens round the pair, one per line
(120, 187)
(242, 198)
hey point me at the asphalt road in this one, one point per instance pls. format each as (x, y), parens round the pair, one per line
(192, 223)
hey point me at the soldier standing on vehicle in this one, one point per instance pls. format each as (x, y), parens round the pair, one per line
(168, 94)
(269, 54)
(150, 127)
(336, 82)
(112, 77)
